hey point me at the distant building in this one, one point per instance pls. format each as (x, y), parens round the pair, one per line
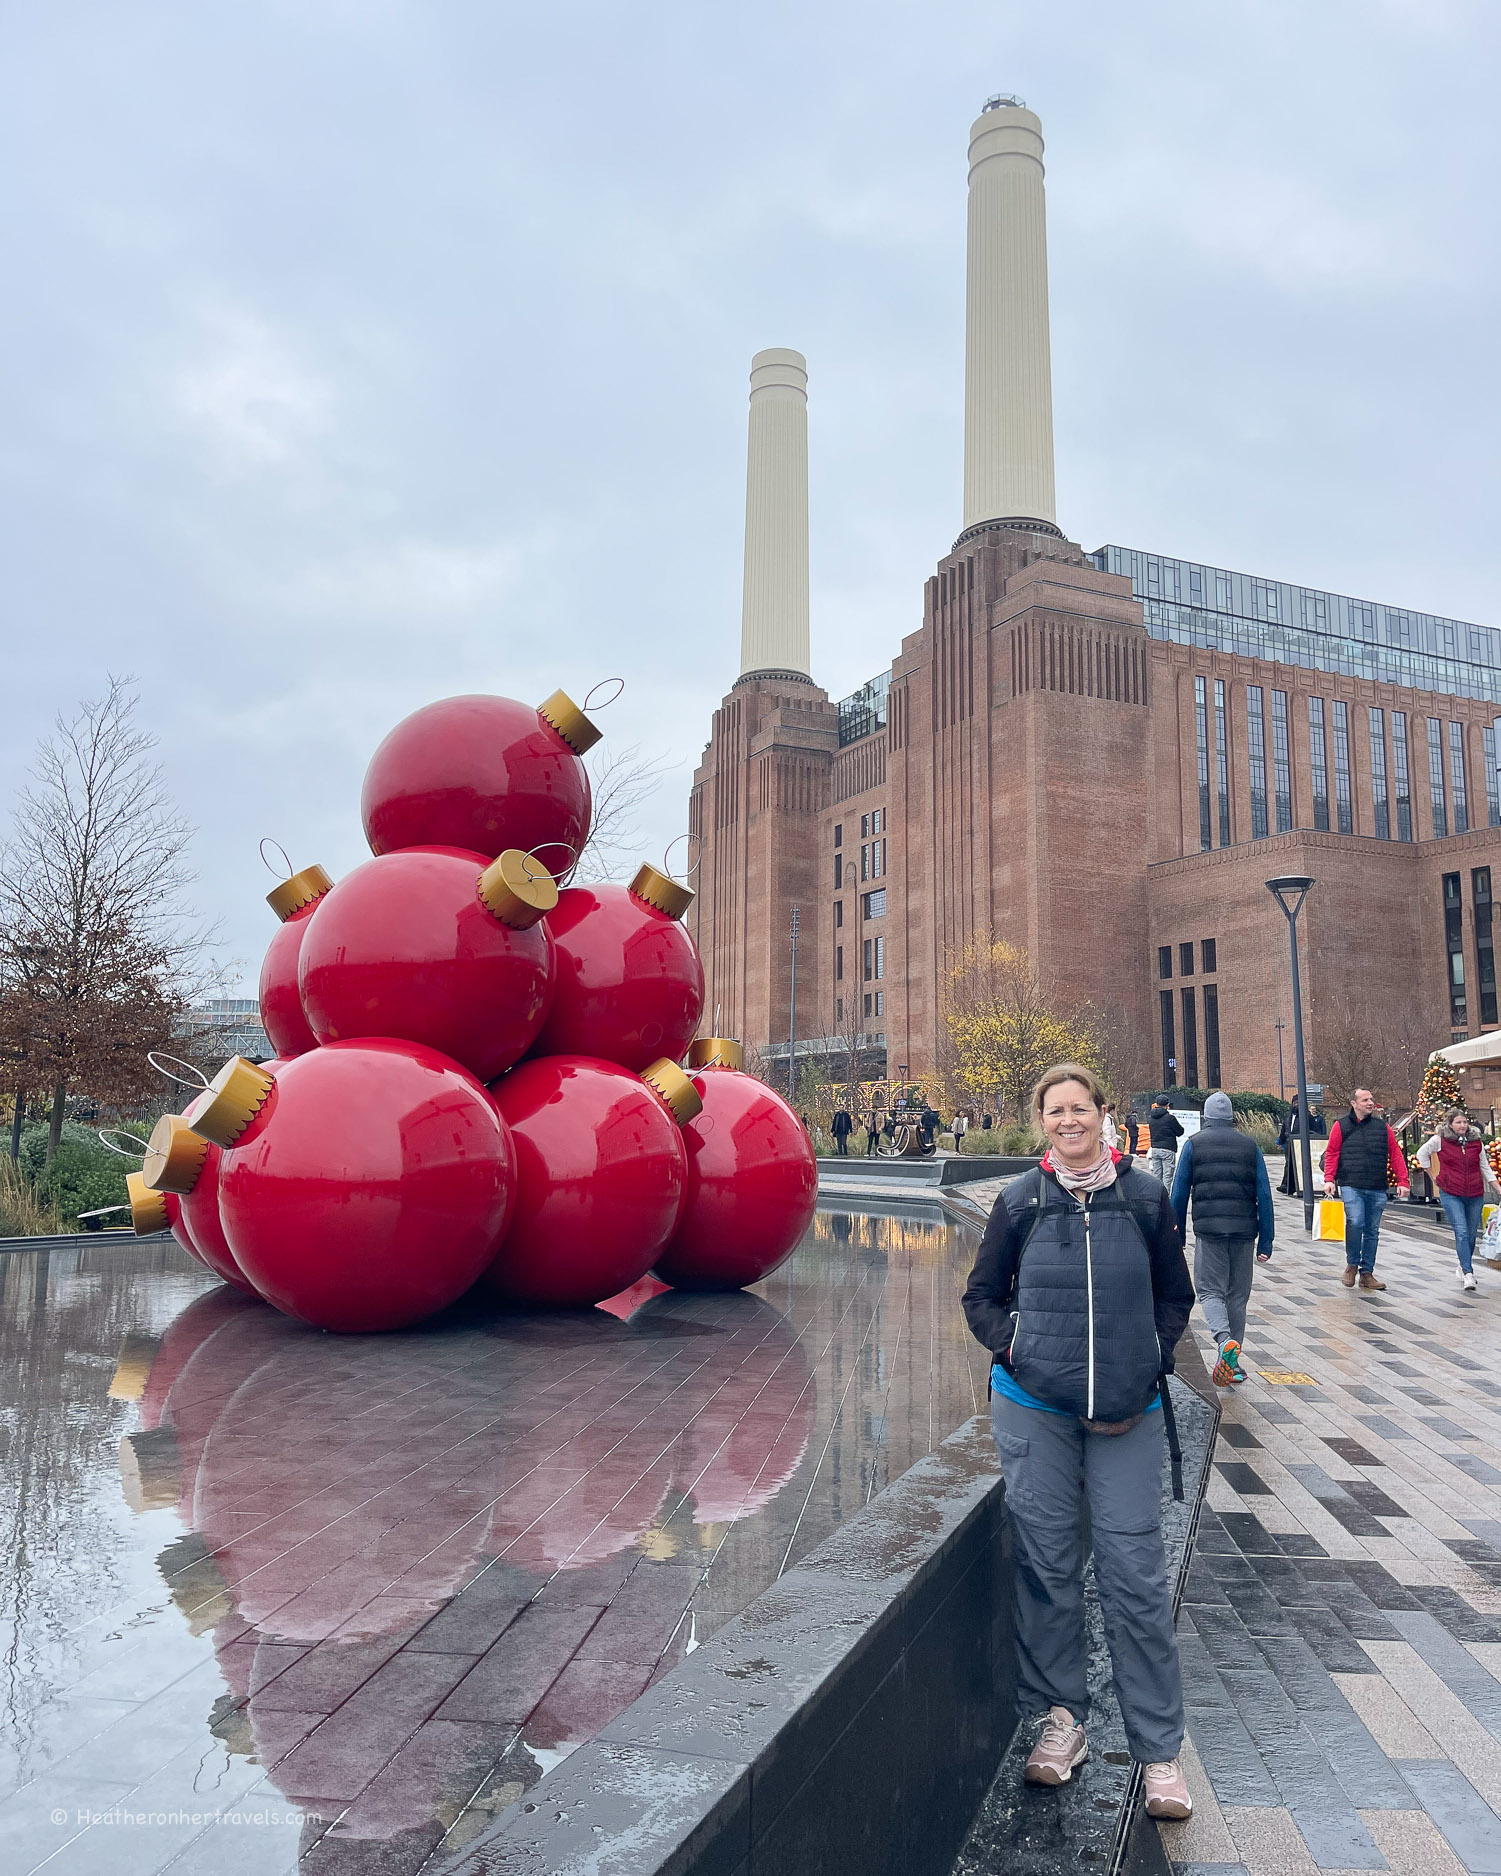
(1099, 757)
(227, 1026)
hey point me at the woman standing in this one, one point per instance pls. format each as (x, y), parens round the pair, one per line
(1080, 1291)
(1287, 1139)
(1463, 1179)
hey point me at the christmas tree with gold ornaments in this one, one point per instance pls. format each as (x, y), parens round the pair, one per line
(1440, 1092)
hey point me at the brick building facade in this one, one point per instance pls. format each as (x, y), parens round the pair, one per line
(1053, 767)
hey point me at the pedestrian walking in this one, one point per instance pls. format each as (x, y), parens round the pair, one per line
(1363, 1159)
(987, 1121)
(1287, 1139)
(842, 1126)
(1080, 1292)
(1457, 1163)
(1164, 1131)
(1221, 1172)
(961, 1127)
(1110, 1129)
(872, 1131)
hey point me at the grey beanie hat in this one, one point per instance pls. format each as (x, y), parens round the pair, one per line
(1218, 1107)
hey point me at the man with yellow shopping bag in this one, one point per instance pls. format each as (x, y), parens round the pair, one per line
(1364, 1160)
(1329, 1221)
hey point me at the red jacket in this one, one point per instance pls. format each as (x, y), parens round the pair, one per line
(1396, 1165)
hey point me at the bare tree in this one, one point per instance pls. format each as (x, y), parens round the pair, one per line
(1120, 1049)
(621, 783)
(98, 951)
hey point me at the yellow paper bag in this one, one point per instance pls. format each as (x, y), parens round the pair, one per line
(1329, 1222)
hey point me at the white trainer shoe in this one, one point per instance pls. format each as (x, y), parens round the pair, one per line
(1467, 1278)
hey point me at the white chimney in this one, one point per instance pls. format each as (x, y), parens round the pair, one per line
(774, 617)
(1008, 376)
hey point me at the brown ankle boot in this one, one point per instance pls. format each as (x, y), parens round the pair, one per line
(1347, 1276)
(1370, 1281)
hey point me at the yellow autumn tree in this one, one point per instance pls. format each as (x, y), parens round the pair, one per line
(1003, 1030)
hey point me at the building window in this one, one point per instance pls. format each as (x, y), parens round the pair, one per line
(1256, 752)
(1282, 774)
(839, 1010)
(1319, 762)
(1164, 960)
(1201, 731)
(1222, 759)
(1401, 775)
(1485, 955)
(1169, 1067)
(877, 858)
(870, 958)
(865, 862)
(1344, 813)
(874, 903)
(839, 964)
(868, 1001)
(878, 821)
(839, 835)
(1492, 787)
(864, 826)
(1208, 953)
(1454, 943)
(1458, 793)
(838, 872)
(1211, 1036)
(880, 1003)
(1436, 778)
(1378, 774)
(880, 957)
(1190, 1042)
(838, 915)
(1186, 959)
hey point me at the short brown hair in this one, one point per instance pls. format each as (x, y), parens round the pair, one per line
(1068, 1071)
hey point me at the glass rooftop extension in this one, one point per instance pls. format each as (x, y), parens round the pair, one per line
(864, 711)
(1190, 604)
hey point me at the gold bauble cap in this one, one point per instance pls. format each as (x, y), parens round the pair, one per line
(716, 1052)
(174, 1156)
(237, 1094)
(300, 890)
(675, 1089)
(569, 721)
(518, 889)
(662, 891)
(133, 1365)
(148, 1209)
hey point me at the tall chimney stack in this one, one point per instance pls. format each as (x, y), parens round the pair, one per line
(1008, 375)
(774, 616)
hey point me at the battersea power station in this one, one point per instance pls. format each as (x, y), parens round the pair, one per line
(1097, 756)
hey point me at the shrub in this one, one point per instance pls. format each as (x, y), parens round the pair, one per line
(22, 1213)
(84, 1173)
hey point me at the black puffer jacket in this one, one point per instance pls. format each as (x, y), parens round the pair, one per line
(1085, 1301)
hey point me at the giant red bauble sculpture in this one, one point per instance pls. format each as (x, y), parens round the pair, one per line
(368, 1188)
(630, 984)
(752, 1186)
(151, 1212)
(181, 1161)
(407, 946)
(282, 1018)
(599, 1175)
(484, 773)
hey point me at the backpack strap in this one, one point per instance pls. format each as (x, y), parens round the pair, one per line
(1170, 1427)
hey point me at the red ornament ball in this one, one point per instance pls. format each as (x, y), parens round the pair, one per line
(403, 946)
(599, 1175)
(282, 1015)
(630, 983)
(484, 773)
(371, 1187)
(199, 1212)
(752, 1186)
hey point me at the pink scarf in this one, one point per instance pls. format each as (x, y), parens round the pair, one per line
(1092, 1178)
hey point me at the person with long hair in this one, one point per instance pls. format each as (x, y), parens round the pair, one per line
(1080, 1292)
(1457, 1163)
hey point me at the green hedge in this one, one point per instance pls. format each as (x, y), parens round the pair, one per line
(84, 1173)
(1248, 1102)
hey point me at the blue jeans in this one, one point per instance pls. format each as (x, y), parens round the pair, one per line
(1464, 1218)
(1362, 1225)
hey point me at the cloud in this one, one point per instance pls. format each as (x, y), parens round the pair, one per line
(247, 397)
(405, 580)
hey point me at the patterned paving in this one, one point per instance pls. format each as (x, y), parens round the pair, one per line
(1341, 1634)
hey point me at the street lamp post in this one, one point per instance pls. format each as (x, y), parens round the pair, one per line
(1290, 891)
(1279, 1026)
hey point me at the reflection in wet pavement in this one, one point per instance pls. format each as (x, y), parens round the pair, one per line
(305, 1601)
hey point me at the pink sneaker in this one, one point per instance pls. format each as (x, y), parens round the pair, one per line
(1167, 1790)
(1060, 1747)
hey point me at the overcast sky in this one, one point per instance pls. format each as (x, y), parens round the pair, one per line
(359, 352)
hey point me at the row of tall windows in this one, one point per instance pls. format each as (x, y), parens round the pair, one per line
(1184, 1068)
(1329, 745)
(1485, 952)
(1222, 759)
(1219, 795)
(1201, 735)
(875, 958)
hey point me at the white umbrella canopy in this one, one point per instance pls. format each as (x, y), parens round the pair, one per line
(1475, 1052)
